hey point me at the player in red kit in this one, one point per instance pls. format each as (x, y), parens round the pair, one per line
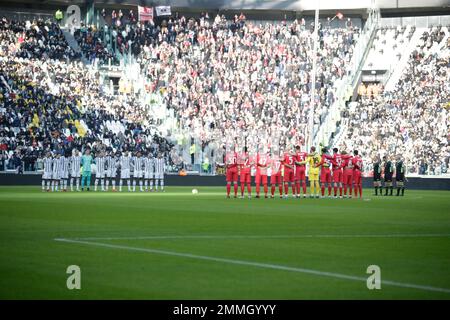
(347, 173)
(232, 172)
(357, 169)
(325, 173)
(289, 172)
(245, 173)
(276, 178)
(262, 164)
(337, 163)
(300, 171)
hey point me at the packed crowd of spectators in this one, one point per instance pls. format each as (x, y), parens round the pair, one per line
(236, 79)
(51, 103)
(413, 120)
(224, 80)
(35, 40)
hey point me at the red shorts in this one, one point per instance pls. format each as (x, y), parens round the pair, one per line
(275, 178)
(348, 176)
(337, 176)
(261, 178)
(232, 174)
(289, 175)
(325, 176)
(357, 177)
(245, 176)
(300, 173)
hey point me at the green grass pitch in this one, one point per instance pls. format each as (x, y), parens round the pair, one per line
(176, 245)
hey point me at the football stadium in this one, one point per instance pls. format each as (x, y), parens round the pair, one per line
(224, 150)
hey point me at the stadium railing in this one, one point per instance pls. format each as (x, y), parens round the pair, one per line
(346, 86)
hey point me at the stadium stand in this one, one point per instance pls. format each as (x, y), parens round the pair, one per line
(208, 81)
(412, 120)
(50, 102)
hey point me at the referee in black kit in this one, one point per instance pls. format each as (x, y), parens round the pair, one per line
(377, 176)
(388, 173)
(400, 170)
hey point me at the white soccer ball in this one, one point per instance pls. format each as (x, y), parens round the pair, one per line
(194, 191)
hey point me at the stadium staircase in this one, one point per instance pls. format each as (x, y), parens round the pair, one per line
(73, 43)
(346, 86)
(415, 41)
(401, 64)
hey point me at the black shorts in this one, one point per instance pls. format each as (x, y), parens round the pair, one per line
(376, 178)
(388, 178)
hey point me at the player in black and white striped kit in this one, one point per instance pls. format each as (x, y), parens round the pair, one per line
(56, 172)
(100, 174)
(111, 171)
(149, 171)
(160, 168)
(75, 164)
(125, 167)
(138, 174)
(47, 175)
(64, 174)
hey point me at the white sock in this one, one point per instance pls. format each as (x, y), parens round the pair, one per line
(134, 185)
(43, 184)
(146, 184)
(128, 184)
(151, 184)
(107, 184)
(140, 185)
(162, 184)
(114, 184)
(120, 185)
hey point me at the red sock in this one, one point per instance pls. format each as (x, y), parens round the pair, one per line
(329, 190)
(350, 190)
(360, 191)
(273, 190)
(235, 189)
(266, 189)
(323, 190)
(345, 189)
(298, 187)
(304, 187)
(293, 189)
(335, 191)
(356, 190)
(249, 188)
(242, 188)
(340, 191)
(257, 189)
(286, 188)
(280, 188)
(228, 189)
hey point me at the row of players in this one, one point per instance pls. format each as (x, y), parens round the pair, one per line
(341, 171)
(145, 170)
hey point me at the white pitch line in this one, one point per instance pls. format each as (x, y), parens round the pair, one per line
(255, 264)
(300, 236)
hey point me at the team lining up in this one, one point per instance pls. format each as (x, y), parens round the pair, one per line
(147, 171)
(289, 168)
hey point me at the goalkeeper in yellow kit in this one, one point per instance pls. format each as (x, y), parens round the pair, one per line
(313, 160)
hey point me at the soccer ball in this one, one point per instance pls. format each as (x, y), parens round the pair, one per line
(194, 191)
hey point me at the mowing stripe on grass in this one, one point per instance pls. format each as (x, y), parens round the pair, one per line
(253, 264)
(293, 236)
